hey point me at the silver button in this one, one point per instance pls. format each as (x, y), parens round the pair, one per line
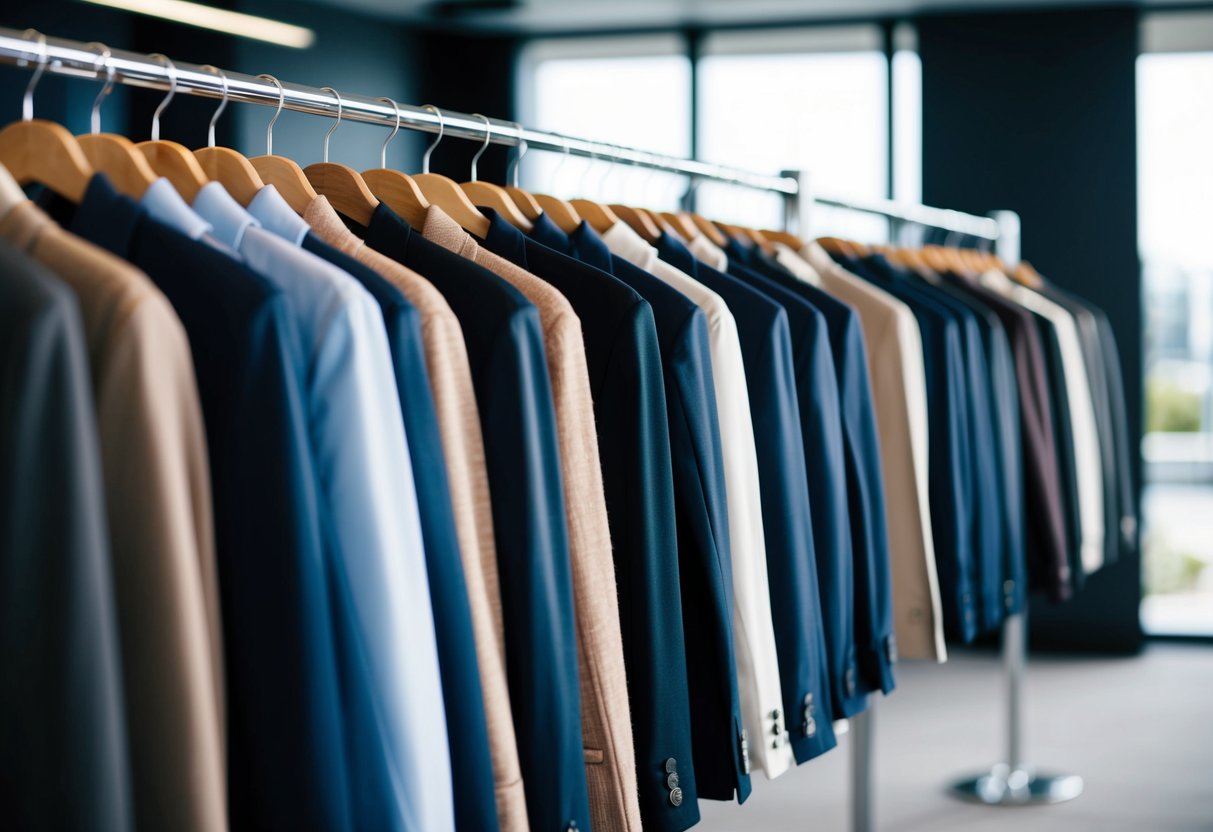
(850, 681)
(745, 752)
(890, 649)
(572, 827)
(672, 780)
(671, 765)
(809, 724)
(676, 796)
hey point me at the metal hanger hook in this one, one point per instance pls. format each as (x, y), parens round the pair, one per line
(336, 124)
(585, 172)
(103, 61)
(425, 158)
(172, 90)
(610, 167)
(392, 135)
(559, 165)
(210, 130)
(516, 162)
(488, 137)
(269, 128)
(27, 102)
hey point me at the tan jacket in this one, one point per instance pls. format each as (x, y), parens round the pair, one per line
(605, 716)
(158, 504)
(462, 443)
(895, 362)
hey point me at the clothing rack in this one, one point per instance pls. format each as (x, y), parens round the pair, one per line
(1013, 782)
(1009, 783)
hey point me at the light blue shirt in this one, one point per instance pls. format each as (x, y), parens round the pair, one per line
(366, 482)
(277, 216)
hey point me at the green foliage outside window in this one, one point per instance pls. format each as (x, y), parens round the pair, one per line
(1170, 409)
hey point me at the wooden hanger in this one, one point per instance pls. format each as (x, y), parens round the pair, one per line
(682, 224)
(37, 150)
(445, 193)
(559, 211)
(707, 229)
(749, 235)
(598, 216)
(109, 153)
(170, 159)
(737, 232)
(562, 213)
(394, 189)
(11, 194)
(662, 224)
(120, 160)
(1026, 274)
(493, 196)
(640, 222)
(224, 165)
(839, 246)
(341, 185)
(526, 202)
(284, 174)
(788, 239)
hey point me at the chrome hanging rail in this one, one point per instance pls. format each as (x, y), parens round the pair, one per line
(67, 57)
(81, 60)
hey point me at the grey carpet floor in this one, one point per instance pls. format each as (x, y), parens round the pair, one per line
(1139, 730)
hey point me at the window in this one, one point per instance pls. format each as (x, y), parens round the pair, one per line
(814, 99)
(1175, 178)
(811, 99)
(634, 92)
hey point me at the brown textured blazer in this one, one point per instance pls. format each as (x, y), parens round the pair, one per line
(158, 504)
(605, 715)
(462, 443)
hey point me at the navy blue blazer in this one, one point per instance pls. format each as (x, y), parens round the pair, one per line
(509, 373)
(875, 645)
(463, 697)
(766, 345)
(624, 363)
(821, 429)
(704, 560)
(949, 470)
(988, 499)
(286, 759)
(1004, 406)
(1045, 547)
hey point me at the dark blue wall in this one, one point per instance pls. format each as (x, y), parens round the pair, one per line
(1037, 113)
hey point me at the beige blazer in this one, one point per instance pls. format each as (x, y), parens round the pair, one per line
(158, 504)
(605, 714)
(895, 364)
(459, 423)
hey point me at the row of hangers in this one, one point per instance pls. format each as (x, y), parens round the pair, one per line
(44, 152)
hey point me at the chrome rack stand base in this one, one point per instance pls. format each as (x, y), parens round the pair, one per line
(1013, 783)
(1022, 787)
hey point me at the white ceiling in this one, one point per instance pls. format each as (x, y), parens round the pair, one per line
(538, 16)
